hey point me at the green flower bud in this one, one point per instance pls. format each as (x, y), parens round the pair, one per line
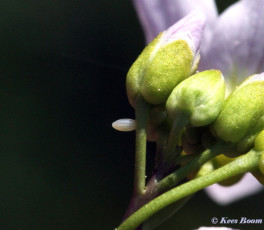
(246, 143)
(200, 97)
(259, 146)
(222, 160)
(205, 169)
(259, 172)
(166, 61)
(242, 116)
(259, 142)
(261, 164)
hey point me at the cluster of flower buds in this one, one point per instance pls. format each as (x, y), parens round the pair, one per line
(165, 77)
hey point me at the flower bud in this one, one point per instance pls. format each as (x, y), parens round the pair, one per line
(259, 172)
(242, 116)
(200, 97)
(259, 146)
(166, 61)
(261, 164)
(259, 142)
(222, 160)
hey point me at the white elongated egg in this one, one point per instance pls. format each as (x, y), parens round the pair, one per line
(124, 125)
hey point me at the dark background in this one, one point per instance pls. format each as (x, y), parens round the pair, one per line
(62, 75)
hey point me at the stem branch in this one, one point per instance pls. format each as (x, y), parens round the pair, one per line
(175, 177)
(178, 124)
(243, 164)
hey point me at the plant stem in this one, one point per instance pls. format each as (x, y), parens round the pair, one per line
(142, 111)
(160, 217)
(178, 124)
(175, 177)
(243, 164)
(164, 214)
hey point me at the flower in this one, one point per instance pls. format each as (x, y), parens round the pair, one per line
(215, 228)
(156, 15)
(232, 43)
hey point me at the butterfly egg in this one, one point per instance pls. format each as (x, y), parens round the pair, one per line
(124, 125)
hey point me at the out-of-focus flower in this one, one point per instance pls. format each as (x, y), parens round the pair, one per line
(226, 195)
(232, 43)
(215, 228)
(157, 15)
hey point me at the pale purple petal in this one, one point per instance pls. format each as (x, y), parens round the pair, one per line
(157, 15)
(237, 46)
(189, 28)
(227, 195)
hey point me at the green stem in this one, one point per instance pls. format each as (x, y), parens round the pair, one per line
(142, 111)
(175, 177)
(160, 217)
(164, 214)
(243, 164)
(179, 123)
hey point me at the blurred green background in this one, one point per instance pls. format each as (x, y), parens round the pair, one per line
(62, 76)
